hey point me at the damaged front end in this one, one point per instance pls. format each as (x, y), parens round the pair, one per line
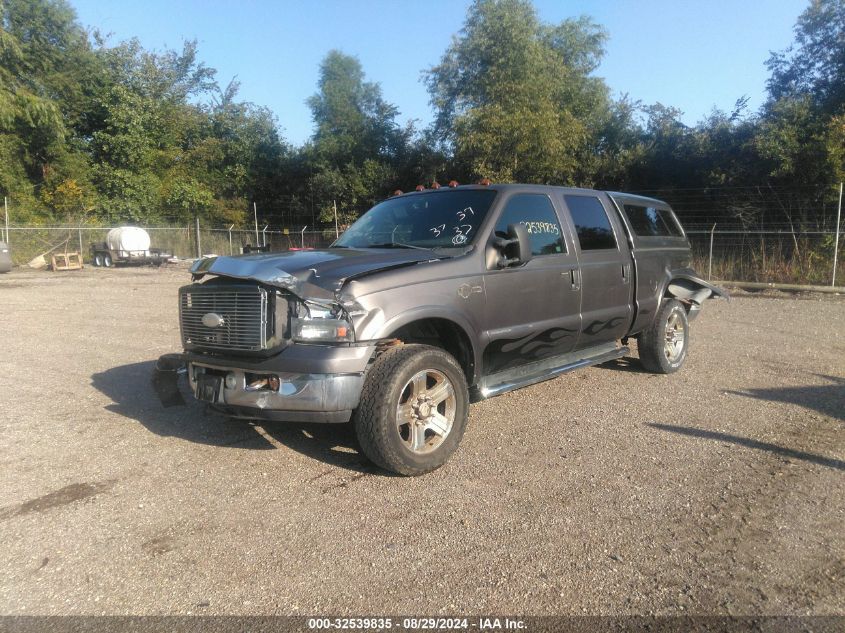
(261, 342)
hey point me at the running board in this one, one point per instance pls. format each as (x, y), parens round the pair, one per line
(505, 381)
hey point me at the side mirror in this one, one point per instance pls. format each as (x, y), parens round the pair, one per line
(520, 242)
(515, 249)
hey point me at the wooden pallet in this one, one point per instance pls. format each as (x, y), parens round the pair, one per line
(67, 261)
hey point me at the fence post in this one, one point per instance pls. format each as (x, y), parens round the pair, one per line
(334, 206)
(80, 241)
(302, 236)
(836, 239)
(255, 217)
(199, 242)
(264, 235)
(6, 208)
(710, 260)
(231, 252)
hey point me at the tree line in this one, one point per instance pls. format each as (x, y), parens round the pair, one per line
(96, 131)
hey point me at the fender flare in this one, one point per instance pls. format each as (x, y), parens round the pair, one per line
(693, 283)
(692, 291)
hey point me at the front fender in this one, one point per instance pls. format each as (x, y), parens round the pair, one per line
(435, 312)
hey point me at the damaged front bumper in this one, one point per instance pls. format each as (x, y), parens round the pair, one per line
(292, 391)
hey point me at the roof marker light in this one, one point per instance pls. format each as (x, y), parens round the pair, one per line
(484, 182)
(420, 188)
(453, 183)
(435, 185)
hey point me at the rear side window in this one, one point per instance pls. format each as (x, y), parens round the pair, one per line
(651, 222)
(591, 223)
(538, 215)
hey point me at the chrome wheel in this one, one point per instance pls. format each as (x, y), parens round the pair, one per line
(675, 335)
(426, 411)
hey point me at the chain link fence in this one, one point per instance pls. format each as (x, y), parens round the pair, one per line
(776, 256)
(799, 257)
(28, 242)
(791, 239)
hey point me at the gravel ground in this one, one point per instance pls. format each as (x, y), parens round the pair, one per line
(718, 490)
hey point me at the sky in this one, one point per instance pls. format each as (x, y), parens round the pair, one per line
(691, 54)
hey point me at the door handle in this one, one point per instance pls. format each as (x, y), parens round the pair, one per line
(626, 273)
(574, 278)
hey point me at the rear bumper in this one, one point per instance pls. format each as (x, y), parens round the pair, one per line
(303, 395)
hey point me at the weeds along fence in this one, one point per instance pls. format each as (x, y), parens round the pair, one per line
(776, 256)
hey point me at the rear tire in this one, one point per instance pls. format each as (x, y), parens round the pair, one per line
(413, 410)
(664, 344)
(107, 262)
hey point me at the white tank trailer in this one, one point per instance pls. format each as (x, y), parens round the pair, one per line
(127, 245)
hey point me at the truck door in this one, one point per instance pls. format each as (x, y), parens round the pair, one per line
(533, 310)
(606, 270)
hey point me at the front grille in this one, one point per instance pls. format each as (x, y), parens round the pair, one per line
(242, 311)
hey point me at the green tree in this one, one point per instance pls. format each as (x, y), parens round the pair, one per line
(814, 65)
(353, 121)
(356, 143)
(146, 131)
(45, 82)
(514, 97)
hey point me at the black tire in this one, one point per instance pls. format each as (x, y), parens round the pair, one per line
(657, 353)
(107, 262)
(389, 385)
(98, 259)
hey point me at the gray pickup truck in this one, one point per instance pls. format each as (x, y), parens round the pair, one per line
(433, 300)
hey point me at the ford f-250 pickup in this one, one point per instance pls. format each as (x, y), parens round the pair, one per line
(433, 300)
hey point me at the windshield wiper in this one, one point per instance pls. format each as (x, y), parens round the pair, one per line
(398, 245)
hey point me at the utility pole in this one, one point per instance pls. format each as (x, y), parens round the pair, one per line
(836, 241)
(6, 207)
(336, 233)
(255, 215)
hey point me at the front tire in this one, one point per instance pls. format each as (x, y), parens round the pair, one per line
(663, 346)
(98, 260)
(413, 410)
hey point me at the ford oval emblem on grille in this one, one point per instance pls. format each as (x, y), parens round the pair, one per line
(212, 320)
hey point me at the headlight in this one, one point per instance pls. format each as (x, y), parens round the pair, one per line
(318, 323)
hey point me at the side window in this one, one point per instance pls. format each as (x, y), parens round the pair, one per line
(538, 215)
(671, 223)
(651, 222)
(591, 223)
(645, 221)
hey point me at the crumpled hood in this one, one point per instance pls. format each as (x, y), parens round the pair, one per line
(318, 273)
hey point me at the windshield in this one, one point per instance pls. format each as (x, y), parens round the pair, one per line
(436, 219)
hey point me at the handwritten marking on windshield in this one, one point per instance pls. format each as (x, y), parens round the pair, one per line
(459, 239)
(437, 230)
(463, 214)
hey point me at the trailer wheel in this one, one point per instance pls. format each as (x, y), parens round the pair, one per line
(107, 262)
(98, 259)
